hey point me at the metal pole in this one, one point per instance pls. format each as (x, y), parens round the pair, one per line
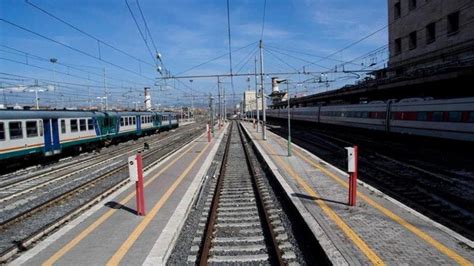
(264, 119)
(289, 119)
(256, 93)
(192, 99)
(219, 95)
(225, 105)
(37, 99)
(106, 93)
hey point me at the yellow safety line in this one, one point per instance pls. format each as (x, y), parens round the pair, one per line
(351, 234)
(132, 238)
(447, 251)
(71, 244)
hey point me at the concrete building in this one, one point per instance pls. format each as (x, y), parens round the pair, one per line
(428, 33)
(248, 104)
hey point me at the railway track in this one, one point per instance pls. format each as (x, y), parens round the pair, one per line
(431, 193)
(70, 172)
(21, 230)
(243, 225)
(14, 180)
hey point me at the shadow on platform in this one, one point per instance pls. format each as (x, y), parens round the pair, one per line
(303, 196)
(116, 205)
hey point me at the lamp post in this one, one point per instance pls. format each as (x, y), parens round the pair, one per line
(36, 90)
(289, 118)
(102, 101)
(288, 97)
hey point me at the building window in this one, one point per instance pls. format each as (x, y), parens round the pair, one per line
(398, 46)
(453, 23)
(413, 41)
(397, 10)
(2, 131)
(16, 130)
(411, 4)
(430, 33)
(31, 129)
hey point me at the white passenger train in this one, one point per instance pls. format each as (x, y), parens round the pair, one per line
(447, 119)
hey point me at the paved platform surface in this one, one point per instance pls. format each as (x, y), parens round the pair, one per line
(378, 230)
(111, 233)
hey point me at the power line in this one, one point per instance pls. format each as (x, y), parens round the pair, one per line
(85, 33)
(214, 59)
(146, 26)
(71, 66)
(263, 18)
(73, 48)
(140, 31)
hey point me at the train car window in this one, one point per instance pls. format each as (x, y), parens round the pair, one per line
(41, 127)
(82, 125)
(142, 119)
(471, 117)
(437, 116)
(16, 130)
(133, 120)
(122, 123)
(90, 124)
(31, 129)
(365, 114)
(2, 131)
(455, 116)
(422, 116)
(73, 125)
(63, 126)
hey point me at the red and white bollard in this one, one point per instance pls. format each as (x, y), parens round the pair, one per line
(352, 169)
(208, 132)
(135, 169)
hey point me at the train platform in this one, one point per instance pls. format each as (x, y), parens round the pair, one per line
(111, 233)
(378, 230)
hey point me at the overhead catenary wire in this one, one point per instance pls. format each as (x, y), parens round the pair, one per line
(100, 41)
(69, 66)
(73, 48)
(141, 33)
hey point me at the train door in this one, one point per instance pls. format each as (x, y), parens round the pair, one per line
(51, 137)
(55, 130)
(388, 115)
(139, 125)
(169, 120)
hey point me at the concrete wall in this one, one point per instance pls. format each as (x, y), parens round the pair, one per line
(445, 47)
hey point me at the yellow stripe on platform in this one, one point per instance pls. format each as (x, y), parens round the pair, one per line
(351, 234)
(415, 230)
(71, 244)
(132, 238)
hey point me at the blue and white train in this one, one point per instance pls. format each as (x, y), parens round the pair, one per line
(45, 133)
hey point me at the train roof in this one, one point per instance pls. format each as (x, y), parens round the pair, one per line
(38, 114)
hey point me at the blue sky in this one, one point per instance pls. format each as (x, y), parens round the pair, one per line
(186, 33)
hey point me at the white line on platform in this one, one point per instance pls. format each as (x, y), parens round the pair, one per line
(165, 243)
(68, 227)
